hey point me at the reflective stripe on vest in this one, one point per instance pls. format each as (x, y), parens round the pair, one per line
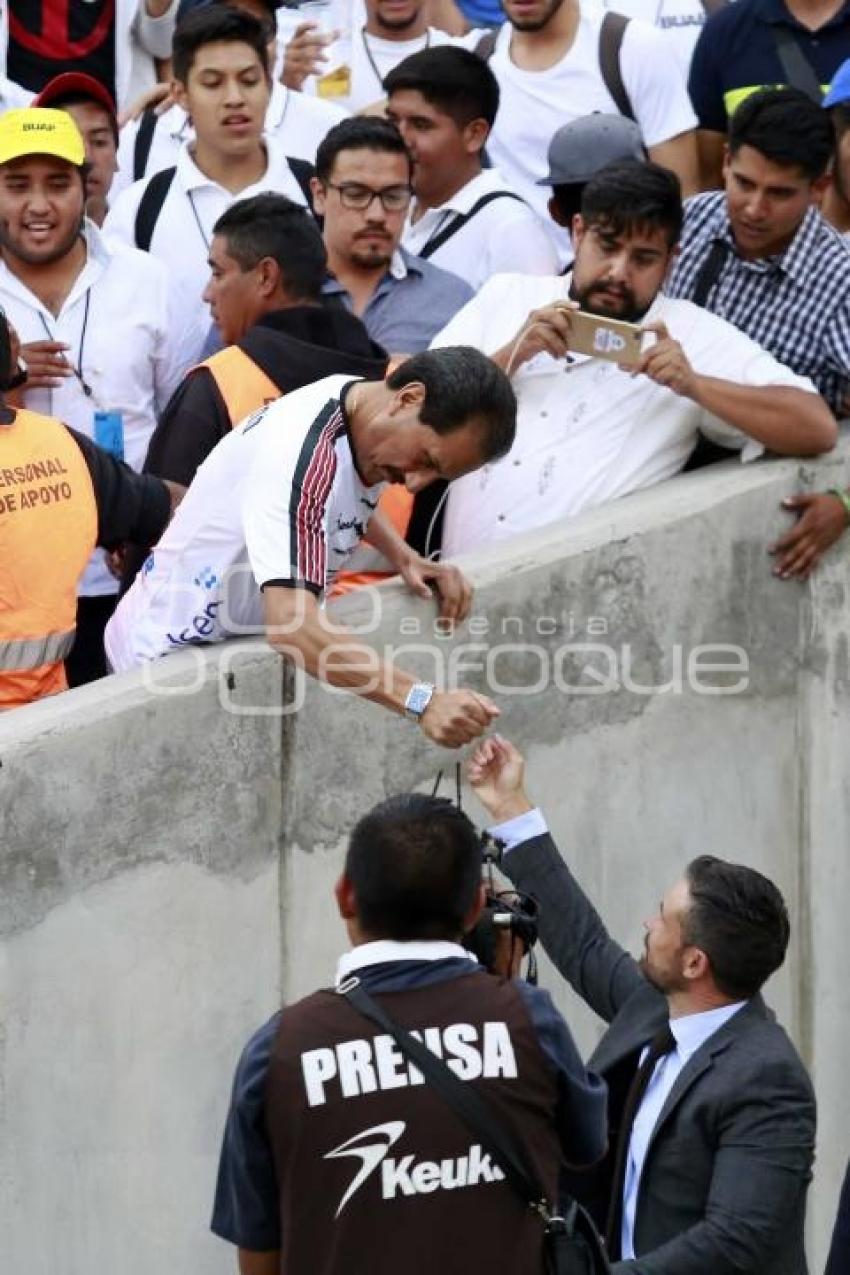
(48, 529)
(29, 653)
(242, 384)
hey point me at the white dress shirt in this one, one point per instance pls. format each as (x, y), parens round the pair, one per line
(184, 228)
(126, 335)
(503, 235)
(587, 432)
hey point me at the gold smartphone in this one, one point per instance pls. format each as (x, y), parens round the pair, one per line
(604, 338)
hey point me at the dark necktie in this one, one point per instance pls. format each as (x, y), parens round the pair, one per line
(660, 1045)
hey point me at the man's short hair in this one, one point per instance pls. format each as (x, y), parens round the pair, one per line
(215, 24)
(786, 127)
(462, 386)
(414, 864)
(629, 196)
(359, 133)
(738, 918)
(454, 81)
(270, 225)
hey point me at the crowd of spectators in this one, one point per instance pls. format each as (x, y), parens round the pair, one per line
(246, 199)
(291, 300)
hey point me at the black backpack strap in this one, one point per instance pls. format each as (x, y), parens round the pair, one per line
(302, 171)
(710, 271)
(459, 220)
(150, 206)
(486, 46)
(796, 67)
(610, 42)
(143, 143)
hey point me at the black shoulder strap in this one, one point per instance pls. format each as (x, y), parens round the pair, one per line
(150, 206)
(302, 171)
(486, 46)
(460, 219)
(610, 42)
(143, 143)
(796, 67)
(466, 1102)
(710, 271)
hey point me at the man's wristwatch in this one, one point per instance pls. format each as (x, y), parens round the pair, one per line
(418, 698)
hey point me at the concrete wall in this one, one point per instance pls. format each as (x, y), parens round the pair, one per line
(168, 852)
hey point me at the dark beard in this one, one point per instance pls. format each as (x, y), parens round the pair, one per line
(630, 314)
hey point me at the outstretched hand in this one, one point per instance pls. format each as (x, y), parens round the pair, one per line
(496, 774)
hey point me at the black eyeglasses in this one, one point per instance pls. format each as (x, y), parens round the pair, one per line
(352, 195)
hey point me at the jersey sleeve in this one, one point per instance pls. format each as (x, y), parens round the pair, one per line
(246, 1207)
(655, 85)
(285, 500)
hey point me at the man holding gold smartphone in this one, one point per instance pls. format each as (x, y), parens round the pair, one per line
(591, 429)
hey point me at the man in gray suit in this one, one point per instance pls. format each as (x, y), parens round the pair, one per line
(711, 1112)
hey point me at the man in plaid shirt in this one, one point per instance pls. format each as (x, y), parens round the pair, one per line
(760, 254)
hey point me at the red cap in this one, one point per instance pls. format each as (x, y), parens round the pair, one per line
(74, 83)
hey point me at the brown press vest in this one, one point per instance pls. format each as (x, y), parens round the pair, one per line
(377, 1176)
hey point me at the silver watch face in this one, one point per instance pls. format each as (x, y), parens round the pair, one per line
(418, 699)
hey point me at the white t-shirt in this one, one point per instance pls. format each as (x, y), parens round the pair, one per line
(680, 20)
(588, 433)
(183, 231)
(126, 334)
(12, 96)
(503, 235)
(535, 104)
(279, 499)
(296, 121)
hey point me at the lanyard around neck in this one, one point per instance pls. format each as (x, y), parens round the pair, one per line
(78, 369)
(373, 63)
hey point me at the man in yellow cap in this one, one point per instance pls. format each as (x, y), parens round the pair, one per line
(100, 335)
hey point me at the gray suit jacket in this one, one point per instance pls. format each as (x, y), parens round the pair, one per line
(724, 1181)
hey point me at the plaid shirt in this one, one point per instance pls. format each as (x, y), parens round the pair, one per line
(795, 305)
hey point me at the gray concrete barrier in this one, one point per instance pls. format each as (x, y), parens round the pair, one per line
(170, 837)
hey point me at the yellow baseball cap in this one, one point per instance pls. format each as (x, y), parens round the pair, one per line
(37, 130)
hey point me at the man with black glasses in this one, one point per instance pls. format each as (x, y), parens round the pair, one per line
(362, 190)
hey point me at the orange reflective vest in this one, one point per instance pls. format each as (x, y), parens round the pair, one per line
(48, 529)
(242, 384)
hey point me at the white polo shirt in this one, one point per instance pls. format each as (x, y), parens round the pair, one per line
(278, 500)
(503, 235)
(183, 231)
(588, 433)
(296, 121)
(535, 104)
(127, 337)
